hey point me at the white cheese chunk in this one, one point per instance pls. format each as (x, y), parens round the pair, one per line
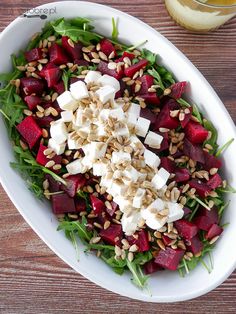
(57, 148)
(120, 157)
(76, 166)
(151, 159)
(117, 188)
(105, 93)
(149, 214)
(87, 162)
(160, 178)
(130, 222)
(67, 116)
(58, 131)
(66, 101)
(138, 198)
(72, 142)
(121, 131)
(99, 168)
(79, 90)
(123, 203)
(92, 77)
(135, 142)
(134, 109)
(142, 126)
(78, 120)
(109, 80)
(175, 211)
(117, 113)
(95, 150)
(104, 114)
(131, 119)
(131, 174)
(153, 139)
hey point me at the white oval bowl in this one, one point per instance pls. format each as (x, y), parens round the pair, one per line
(165, 286)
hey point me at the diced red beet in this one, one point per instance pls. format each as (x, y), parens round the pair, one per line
(211, 161)
(146, 82)
(148, 114)
(195, 132)
(202, 189)
(181, 174)
(168, 164)
(42, 159)
(80, 204)
(164, 120)
(103, 68)
(151, 98)
(120, 92)
(141, 241)
(81, 62)
(73, 183)
(52, 76)
(31, 85)
(130, 71)
(194, 151)
(112, 234)
(210, 214)
(215, 230)
(62, 204)
(203, 222)
(30, 131)
(107, 47)
(194, 245)
(187, 117)
(186, 228)
(59, 87)
(48, 66)
(187, 211)
(44, 122)
(166, 240)
(169, 258)
(98, 206)
(178, 89)
(32, 101)
(215, 181)
(177, 154)
(57, 55)
(127, 54)
(74, 51)
(34, 54)
(54, 186)
(114, 207)
(151, 267)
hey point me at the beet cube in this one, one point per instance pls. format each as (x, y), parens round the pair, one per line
(44, 122)
(57, 55)
(168, 164)
(195, 132)
(202, 189)
(42, 159)
(112, 235)
(59, 87)
(187, 117)
(193, 151)
(30, 131)
(211, 161)
(74, 50)
(166, 240)
(81, 62)
(54, 186)
(215, 230)
(62, 204)
(107, 47)
(32, 101)
(114, 207)
(186, 228)
(31, 85)
(80, 204)
(150, 98)
(148, 114)
(98, 206)
(203, 222)
(151, 267)
(34, 54)
(52, 76)
(215, 181)
(130, 71)
(73, 184)
(206, 218)
(146, 82)
(141, 241)
(181, 175)
(164, 120)
(194, 245)
(178, 89)
(103, 68)
(127, 54)
(169, 258)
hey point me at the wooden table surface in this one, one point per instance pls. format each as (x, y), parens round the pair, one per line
(32, 278)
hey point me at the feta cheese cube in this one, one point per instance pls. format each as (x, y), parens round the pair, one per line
(95, 150)
(149, 214)
(87, 162)
(79, 90)
(117, 113)
(135, 142)
(134, 109)
(110, 81)
(99, 168)
(131, 173)
(117, 188)
(156, 223)
(151, 159)
(58, 131)
(92, 77)
(66, 101)
(120, 157)
(106, 93)
(123, 203)
(106, 181)
(67, 116)
(57, 148)
(130, 222)
(121, 131)
(76, 166)
(156, 205)
(101, 131)
(160, 178)
(142, 126)
(79, 118)
(138, 198)
(72, 142)
(175, 211)
(153, 139)
(104, 114)
(131, 119)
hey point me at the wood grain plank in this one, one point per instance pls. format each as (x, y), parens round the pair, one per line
(32, 278)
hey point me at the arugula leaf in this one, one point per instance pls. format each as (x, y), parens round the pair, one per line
(157, 76)
(183, 102)
(115, 31)
(79, 227)
(214, 134)
(197, 114)
(85, 196)
(139, 279)
(224, 147)
(82, 23)
(150, 56)
(142, 257)
(66, 78)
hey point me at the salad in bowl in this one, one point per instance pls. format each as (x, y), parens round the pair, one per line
(103, 131)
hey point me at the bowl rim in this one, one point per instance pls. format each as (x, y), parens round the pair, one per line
(84, 272)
